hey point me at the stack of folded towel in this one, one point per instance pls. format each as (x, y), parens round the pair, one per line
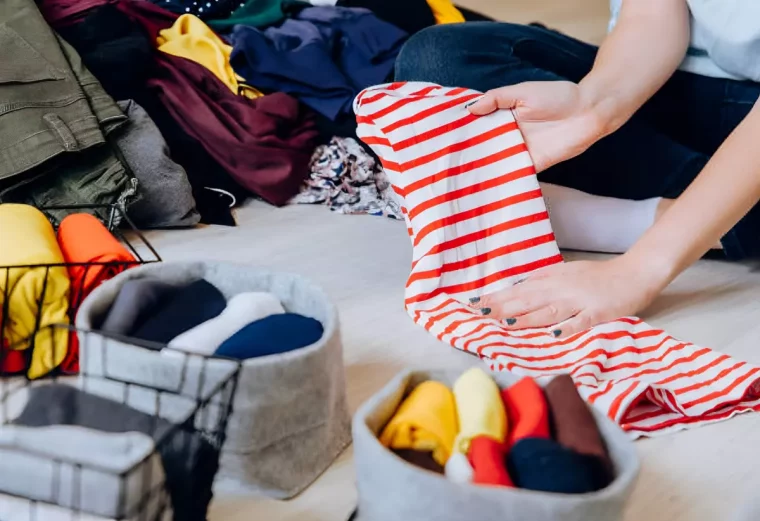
(196, 318)
(523, 436)
(44, 276)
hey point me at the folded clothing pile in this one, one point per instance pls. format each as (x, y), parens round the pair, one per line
(196, 318)
(70, 453)
(523, 436)
(44, 276)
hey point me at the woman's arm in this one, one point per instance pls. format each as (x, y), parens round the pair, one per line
(574, 296)
(642, 51)
(561, 119)
(727, 188)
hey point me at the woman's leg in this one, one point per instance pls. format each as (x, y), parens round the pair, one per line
(636, 162)
(658, 153)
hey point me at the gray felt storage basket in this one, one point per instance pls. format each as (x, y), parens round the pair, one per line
(391, 489)
(290, 417)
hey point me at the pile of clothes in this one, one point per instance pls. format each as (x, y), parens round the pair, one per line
(523, 436)
(197, 318)
(178, 110)
(45, 274)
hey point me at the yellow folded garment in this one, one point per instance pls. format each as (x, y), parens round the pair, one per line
(426, 421)
(480, 409)
(28, 238)
(192, 39)
(445, 12)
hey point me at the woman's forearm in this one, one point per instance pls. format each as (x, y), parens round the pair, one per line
(727, 188)
(646, 46)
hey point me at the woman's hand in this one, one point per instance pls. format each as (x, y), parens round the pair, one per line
(574, 296)
(556, 119)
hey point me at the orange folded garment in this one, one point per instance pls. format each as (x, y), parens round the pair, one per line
(87, 243)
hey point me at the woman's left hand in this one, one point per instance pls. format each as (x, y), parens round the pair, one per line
(574, 296)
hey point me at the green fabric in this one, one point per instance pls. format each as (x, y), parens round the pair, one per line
(54, 118)
(256, 13)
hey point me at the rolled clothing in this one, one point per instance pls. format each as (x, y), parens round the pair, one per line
(241, 310)
(479, 409)
(425, 421)
(105, 474)
(486, 455)
(93, 253)
(527, 411)
(546, 466)
(136, 299)
(166, 195)
(272, 335)
(27, 238)
(458, 469)
(573, 423)
(184, 309)
(190, 462)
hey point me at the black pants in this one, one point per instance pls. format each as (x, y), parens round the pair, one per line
(658, 153)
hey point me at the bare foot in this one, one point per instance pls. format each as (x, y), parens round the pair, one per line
(663, 207)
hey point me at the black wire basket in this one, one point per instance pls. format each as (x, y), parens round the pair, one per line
(136, 436)
(17, 350)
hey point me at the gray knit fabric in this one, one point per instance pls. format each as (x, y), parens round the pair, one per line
(290, 417)
(166, 197)
(392, 489)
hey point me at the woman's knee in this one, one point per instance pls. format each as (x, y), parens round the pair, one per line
(436, 54)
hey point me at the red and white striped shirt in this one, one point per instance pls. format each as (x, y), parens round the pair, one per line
(478, 224)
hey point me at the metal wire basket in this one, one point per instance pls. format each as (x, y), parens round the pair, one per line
(16, 350)
(63, 439)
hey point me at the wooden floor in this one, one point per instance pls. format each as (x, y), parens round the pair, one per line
(363, 262)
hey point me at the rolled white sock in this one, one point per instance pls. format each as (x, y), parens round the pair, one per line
(594, 223)
(458, 469)
(241, 310)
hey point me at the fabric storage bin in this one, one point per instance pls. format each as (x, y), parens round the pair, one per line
(290, 417)
(391, 489)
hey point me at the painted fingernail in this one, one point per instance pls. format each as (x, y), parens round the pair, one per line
(511, 321)
(486, 311)
(470, 103)
(557, 332)
(519, 282)
(474, 300)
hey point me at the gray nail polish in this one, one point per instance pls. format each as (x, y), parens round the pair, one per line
(511, 321)
(557, 332)
(474, 300)
(486, 311)
(469, 103)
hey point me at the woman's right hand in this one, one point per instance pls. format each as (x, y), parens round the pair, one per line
(556, 120)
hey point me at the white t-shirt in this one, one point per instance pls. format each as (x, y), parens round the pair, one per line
(725, 38)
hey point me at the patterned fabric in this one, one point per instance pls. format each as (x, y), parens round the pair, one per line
(347, 179)
(478, 224)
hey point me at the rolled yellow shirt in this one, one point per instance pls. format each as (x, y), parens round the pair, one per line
(26, 239)
(479, 408)
(425, 421)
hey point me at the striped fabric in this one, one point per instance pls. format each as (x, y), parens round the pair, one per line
(478, 223)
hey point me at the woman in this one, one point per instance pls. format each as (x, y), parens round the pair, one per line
(664, 108)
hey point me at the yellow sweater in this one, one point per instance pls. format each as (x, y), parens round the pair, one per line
(445, 12)
(192, 39)
(28, 238)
